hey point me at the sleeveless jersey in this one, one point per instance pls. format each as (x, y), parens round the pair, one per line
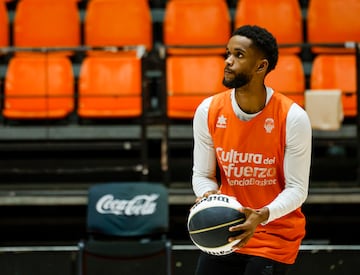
(250, 155)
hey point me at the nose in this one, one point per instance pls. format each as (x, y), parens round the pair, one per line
(229, 60)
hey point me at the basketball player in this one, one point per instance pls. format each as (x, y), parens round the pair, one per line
(261, 141)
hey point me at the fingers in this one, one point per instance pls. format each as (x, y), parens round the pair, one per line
(208, 193)
(240, 244)
(242, 238)
(246, 230)
(212, 192)
(198, 199)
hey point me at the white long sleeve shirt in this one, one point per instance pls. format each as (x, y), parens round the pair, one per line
(296, 160)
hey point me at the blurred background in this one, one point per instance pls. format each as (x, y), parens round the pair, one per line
(99, 91)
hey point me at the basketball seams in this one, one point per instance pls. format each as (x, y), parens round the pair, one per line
(217, 226)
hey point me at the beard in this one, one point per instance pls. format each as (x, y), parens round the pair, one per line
(237, 82)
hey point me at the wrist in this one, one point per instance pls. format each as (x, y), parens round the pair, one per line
(264, 214)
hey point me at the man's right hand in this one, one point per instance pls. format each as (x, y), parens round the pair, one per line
(206, 194)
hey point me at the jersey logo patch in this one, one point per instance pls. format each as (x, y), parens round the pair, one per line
(269, 125)
(221, 122)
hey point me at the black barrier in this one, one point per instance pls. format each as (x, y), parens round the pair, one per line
(61, 260)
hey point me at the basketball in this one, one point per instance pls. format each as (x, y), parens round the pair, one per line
(209, 221)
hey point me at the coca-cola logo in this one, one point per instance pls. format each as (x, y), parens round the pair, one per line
(139, 205)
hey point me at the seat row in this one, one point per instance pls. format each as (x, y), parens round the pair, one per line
(42, 23)
(45, 87)
(192, 55)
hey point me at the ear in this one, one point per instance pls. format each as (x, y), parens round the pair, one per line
(263, 65)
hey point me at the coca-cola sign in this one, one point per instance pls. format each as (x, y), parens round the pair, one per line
(139, 205)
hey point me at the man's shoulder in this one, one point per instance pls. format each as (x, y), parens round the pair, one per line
(220, 97)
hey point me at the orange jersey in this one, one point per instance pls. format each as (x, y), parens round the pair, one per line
(250, 155)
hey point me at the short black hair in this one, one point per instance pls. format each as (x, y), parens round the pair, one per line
(263, 40)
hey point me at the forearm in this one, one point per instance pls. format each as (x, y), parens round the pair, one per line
(202, 185)
(286, 202)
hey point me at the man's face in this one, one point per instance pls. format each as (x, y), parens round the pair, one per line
(240, 62)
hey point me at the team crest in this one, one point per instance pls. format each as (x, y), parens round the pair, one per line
(269, 125)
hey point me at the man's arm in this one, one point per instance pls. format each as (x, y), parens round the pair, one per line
(204, 166)
(296, 164)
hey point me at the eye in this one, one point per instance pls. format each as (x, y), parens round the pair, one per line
(239, 54)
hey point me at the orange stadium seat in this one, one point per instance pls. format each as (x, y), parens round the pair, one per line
(281, 17)
(196, 23)
(118, 23)
(194, 69)
(331, 72)
(38, 87)
(110, 87)
(334, 21)
(4, 25)
(189, 80)
(195, 34)
(43, 23)
(288, 78)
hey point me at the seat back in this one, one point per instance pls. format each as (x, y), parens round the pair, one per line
(331, 72)
(132, 209)
(194, 61)
(127, 223)
(38, 87)
(288, 77)
(190, 24)
(118, 23)
(110, 87)
(4, 25)
(282, 18)
(333, 21)
(43, 23)
(189, 80)
(195, 34)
